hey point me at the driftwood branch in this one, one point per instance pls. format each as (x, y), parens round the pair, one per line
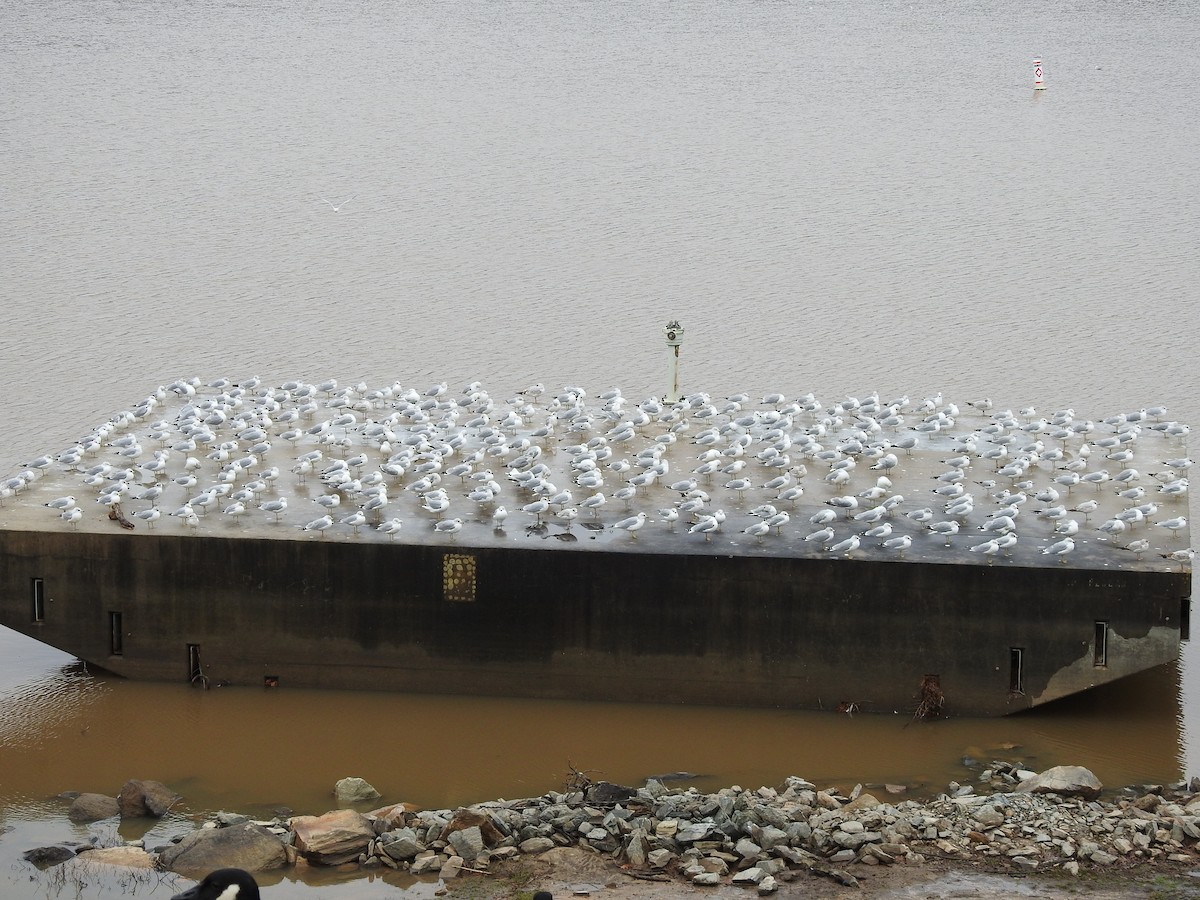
(114, 513)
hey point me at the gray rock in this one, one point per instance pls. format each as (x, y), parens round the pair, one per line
(467, 843)
(799, 833)
(93, 808)
(849, 840)
(771, 866)
(654, 788)
(1067, 781)
(424, 864)
(536, 845)
(988, 816)
(354, 790)
(660, 858)
(451, 867)
(771, 837)
(491, 833)
(706, 879)
(691, 832)
(249, 847)
(714, 864)
(747, 849)
(753, 875)
(401, 844)
(1101, 858)
(767, 886)
(637, 849)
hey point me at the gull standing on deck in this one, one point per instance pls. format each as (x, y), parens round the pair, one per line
(631, 524)
(1060, 549)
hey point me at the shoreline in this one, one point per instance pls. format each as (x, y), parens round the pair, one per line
(1056, 829)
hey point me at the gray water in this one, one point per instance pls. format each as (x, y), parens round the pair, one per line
(832, 197)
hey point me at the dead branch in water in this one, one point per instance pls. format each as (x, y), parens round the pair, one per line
(578, 779)
(932, 699)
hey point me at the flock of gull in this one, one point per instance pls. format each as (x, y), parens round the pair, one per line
(766, 473)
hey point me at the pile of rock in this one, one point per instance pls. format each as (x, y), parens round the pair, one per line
(754, 837)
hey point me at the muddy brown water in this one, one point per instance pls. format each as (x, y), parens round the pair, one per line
(262, 751)
(259, 750)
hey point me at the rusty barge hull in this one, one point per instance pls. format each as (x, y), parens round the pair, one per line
(634, 624)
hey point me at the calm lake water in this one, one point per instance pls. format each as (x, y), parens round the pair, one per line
(831, 197)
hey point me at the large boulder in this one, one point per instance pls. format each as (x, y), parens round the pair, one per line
(93, 808)
(333, 838)
(139, 799)
(250, 847)
(1069, 781)
(354, 790)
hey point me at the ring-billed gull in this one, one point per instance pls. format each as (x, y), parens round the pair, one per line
(705, 525)
(847, 546)
(1175, 525)
(318, 525)
(631, 524)
(391, 527)
(1060, 549)
(988, 548)
(821, 536)
(756, 530)
(275, 507)
(448, 526)
(946, 529)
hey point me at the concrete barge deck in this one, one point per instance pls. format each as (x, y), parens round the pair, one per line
(551, 604)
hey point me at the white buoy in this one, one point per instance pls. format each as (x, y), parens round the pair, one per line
(1038, 85)
(674, 332)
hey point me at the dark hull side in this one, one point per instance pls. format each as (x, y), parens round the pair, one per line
(608, 625)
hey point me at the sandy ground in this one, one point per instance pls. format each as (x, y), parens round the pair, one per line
(570, 872)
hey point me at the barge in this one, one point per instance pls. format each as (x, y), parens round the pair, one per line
(512, 596)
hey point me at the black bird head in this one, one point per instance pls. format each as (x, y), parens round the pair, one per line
(223, 884)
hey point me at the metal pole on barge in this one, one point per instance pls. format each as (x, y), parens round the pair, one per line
(674, 332)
